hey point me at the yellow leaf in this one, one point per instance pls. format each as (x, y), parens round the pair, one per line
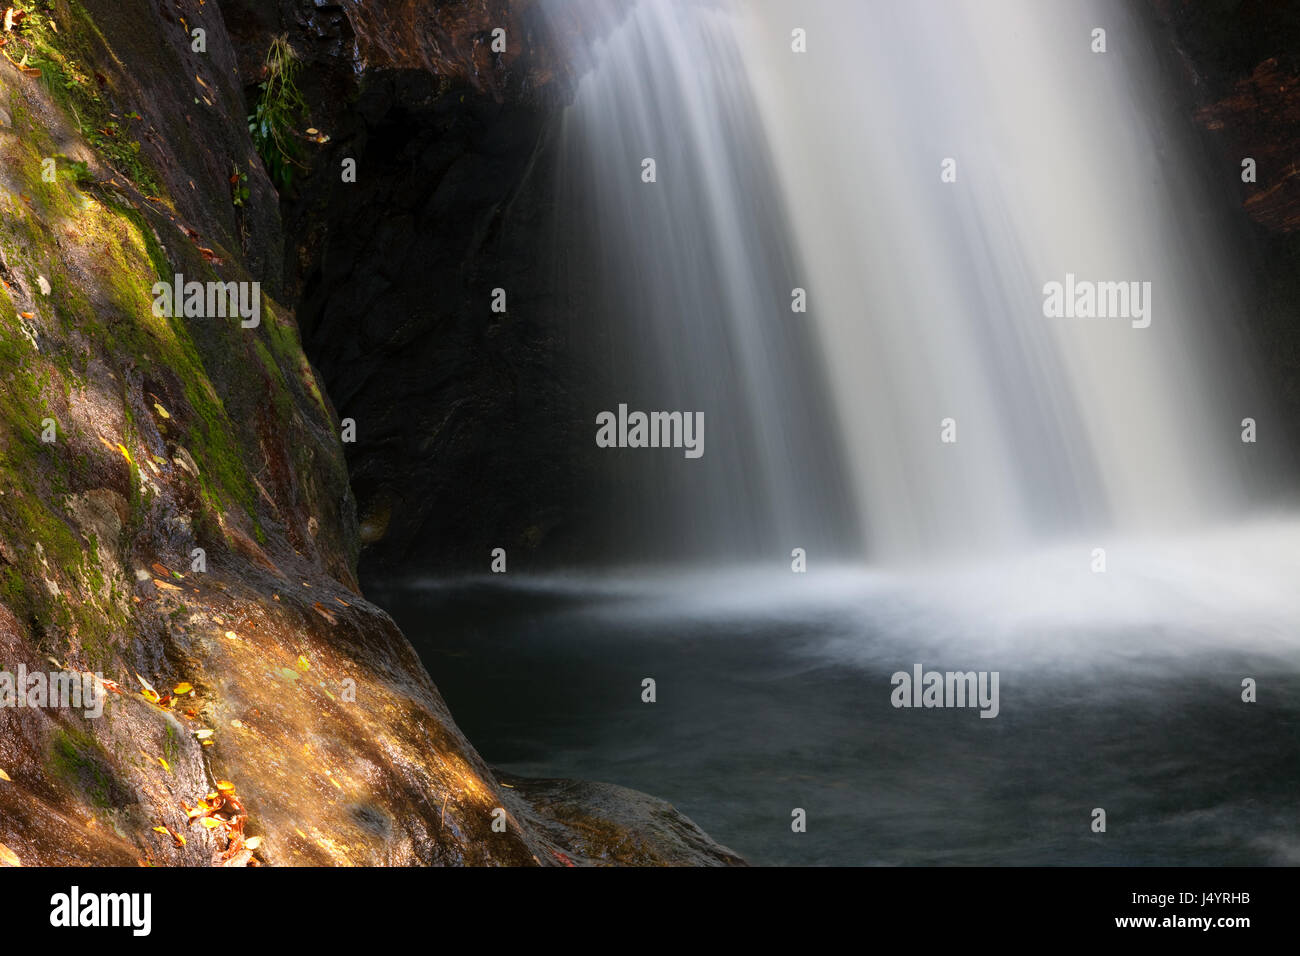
(8, 857)
(159, 829)
(165, 765)
(210, 823)
(5, 776)
(182, 689)
(225, 786)
(145, 684)
(303, 662)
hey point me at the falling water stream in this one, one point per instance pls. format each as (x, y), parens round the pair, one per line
(823, 170)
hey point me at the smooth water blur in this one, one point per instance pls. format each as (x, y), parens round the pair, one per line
(1118, 690)
(929, 295)
(821, 171)
(682, 297)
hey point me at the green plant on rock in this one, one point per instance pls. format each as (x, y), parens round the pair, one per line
(279, 111)
(239, 193)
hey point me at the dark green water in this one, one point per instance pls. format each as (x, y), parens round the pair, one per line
(765, 705)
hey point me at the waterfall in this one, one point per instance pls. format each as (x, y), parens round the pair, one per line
(923, 172)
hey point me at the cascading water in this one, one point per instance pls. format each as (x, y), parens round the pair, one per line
(821, 170)
(690, 303)
(778, 170)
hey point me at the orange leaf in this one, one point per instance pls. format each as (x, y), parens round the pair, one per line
(328, 615)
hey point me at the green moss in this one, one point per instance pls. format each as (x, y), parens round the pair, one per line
(61, 51)
(83, 765)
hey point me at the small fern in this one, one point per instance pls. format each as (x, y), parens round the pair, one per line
(277, 114)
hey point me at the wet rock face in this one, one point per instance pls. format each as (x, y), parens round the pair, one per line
(1242, 65)
(466, 422)
(1260, 119)
(454, 40)
(192, 130)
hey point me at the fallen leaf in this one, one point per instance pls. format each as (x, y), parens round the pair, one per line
(323, 612)
(5, 776)
(182, 689)
(225, 786)
(165, 765)
(165, 585)
(303, 662)
(210, 822)
(253, 843)
(202, 734)
(8, 857)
